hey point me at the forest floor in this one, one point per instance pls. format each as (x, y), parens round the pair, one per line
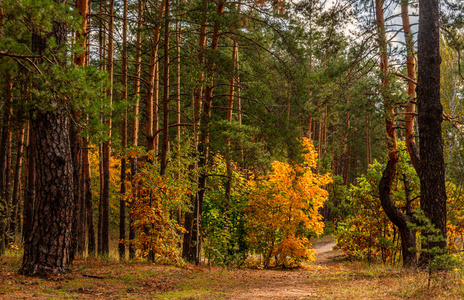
(331, 276)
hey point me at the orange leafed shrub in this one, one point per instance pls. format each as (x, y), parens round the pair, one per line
(152, 199)
(283, 210)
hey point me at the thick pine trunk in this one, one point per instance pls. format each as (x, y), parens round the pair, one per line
(47, 247)
(432, 165)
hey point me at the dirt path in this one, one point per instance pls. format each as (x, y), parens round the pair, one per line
(325, 253)
(282, 284)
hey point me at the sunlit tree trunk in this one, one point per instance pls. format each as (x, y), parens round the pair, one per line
(151, 109)
(230, 106)
(411, 68)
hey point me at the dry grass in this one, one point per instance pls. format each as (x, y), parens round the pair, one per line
(338, 279)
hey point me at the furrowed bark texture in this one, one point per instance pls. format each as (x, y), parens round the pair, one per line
(47, 249)
(432, 167)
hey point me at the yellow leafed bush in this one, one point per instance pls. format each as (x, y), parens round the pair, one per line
(283, 210)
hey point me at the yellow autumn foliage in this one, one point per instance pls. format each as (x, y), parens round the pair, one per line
(283, 210)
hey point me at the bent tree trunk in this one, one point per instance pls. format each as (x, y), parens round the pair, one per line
(399, 219)
(47, 248)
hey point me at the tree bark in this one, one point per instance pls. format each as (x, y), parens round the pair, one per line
(107, 144)
(122, 202)
(135, 120)
(47, 248)
(165, 141)
(151, 125)
(102, 53)
(432, 166)
(410, 107)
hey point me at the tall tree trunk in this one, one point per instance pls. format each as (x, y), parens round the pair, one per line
(107, 144)
(178, 106)
(135, 120)
(122, 202)
(432, 166)
(152, 99)
(410, 107)
(151, 125)
(178, 112)
(165, 142)
(398, 218)
(230, 106)
(102, 52)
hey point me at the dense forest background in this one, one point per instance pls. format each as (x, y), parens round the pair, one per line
(206, 131)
